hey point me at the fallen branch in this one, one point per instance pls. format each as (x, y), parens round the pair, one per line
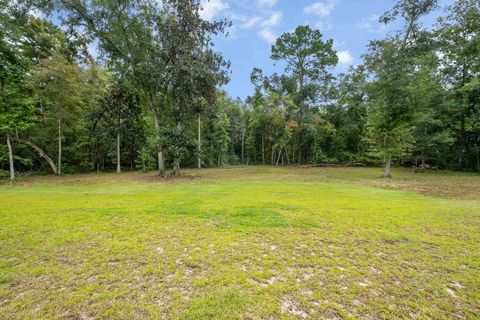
(40, 152)
(322, 165)
(331, 165)
(355, 164)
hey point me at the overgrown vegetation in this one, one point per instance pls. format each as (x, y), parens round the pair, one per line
(150, 100)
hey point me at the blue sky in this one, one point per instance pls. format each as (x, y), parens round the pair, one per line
(257, 23)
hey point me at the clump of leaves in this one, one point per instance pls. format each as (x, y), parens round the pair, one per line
(177, 144)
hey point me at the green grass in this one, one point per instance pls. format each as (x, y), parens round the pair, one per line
(242, 243)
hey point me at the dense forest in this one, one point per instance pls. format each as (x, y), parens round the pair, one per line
(151, 99)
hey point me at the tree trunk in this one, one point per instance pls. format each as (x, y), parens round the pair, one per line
(176, 168)
(59, 146)
(243, 145)
(300, 139)
(263, 149)
(211, 160)
(388, 164)
(161, 161)
(176, 165)
(199, 156)
(40, 152)
(279, 156)
(119, 165)
(301, 116)
(92, 158)
(132, 153)
(10, 158)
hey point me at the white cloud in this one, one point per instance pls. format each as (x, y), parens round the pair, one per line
(372, 25)
(211, 8)
(274, 20)
(322, 26)
(322, 9)
(263, 22)
(266, 3)
(345, 57)
(267, 35)
(251, 22)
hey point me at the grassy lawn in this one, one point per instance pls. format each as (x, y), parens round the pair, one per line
(242, 243)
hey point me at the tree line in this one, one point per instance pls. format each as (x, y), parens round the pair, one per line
(151, 100)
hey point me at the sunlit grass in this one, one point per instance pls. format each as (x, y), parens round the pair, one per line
(251, 243)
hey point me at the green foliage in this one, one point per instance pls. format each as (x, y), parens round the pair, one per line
(177, 144)
(220, 137)
(146, 160)
(58, 84)
(307, 56)
(414, 99)
(15, 106)
(396, 143)
(307, 73)
(118, 113)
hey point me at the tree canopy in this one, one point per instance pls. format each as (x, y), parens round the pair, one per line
(136, 85)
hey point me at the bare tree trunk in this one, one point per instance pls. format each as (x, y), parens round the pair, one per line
(93, 158)
(279, 156)
(119, 165)
(10, 158)
(300, 154)
(211, 154)
(59, 146)
(388, 164)
(243, 145)
(161, 161)
(176, 165)
(41, 153)
(263, 149)
(176, 168)
(199, 157)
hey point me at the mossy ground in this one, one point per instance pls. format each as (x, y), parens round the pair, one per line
(242, 243)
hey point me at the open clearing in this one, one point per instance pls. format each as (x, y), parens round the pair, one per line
(242, 243)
